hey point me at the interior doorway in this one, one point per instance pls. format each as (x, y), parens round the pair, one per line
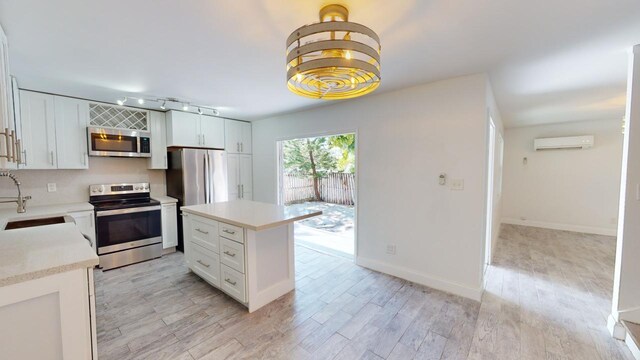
(319, 172)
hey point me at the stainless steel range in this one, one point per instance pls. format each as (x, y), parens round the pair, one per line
(128, 224)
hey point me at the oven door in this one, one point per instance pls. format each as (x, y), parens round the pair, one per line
(128, 228)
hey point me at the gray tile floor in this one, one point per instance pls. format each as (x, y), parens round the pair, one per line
(548, 297)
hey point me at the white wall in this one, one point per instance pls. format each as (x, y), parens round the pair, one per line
(405, 139)
(73, 185)
(574, 190)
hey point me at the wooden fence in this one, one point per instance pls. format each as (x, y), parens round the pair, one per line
(335, 188)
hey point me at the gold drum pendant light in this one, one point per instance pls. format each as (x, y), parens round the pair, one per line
(333, 59)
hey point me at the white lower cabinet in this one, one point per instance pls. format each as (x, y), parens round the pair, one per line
(49, 318)
(169, 213)
(217, 259)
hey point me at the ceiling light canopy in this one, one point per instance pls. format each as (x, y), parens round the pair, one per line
(333, 59)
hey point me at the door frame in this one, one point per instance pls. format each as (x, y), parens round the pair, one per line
(491, 167)
(280, 168)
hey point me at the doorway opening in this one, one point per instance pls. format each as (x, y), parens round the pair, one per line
(319, 173)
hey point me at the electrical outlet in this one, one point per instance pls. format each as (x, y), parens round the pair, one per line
(51, 187)
(391, 249)
(457, 184)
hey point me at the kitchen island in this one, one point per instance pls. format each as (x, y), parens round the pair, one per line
(244, 248)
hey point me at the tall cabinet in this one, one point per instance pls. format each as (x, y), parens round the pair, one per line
(239, 159)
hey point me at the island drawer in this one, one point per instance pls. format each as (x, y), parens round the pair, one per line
(233, 283)
(205, 233)
(232, 254)
(232, 232)
(205, 263)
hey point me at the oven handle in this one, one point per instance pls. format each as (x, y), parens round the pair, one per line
(127, 211)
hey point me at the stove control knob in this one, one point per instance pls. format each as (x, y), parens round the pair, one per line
(94, 190)
(146, 187)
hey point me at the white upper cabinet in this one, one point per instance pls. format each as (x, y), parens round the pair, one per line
(194, 130)
(71, 121)
(237, 137)
(183, 129)
(9, 157)
(158, 128)
(212, 130)
(38, 130)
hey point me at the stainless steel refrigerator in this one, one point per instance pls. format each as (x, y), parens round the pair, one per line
(196, 176)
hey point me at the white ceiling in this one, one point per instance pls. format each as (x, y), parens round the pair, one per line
(549, 60)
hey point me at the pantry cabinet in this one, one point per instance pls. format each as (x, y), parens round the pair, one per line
(194, 130)
(158, 129)
(237, 137)
(239, 176)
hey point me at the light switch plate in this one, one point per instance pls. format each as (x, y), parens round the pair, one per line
(51, 187)
(457, 184)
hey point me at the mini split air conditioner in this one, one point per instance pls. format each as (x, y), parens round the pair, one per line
(570, 142)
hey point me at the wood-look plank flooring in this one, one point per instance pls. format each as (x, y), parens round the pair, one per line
(548, 296)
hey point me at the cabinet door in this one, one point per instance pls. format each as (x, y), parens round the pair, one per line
(245, 137)
(85, 222)
(71, 121)
(232, 136)
(245, 173)
(38, 130)
(212, 130)
(233, 177)
(158, 128)
(183, 129)
(6, 100)
(169, 225)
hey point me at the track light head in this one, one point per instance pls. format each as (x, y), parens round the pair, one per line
(185, 107)
(215, 112)
(199, 111)
(140, 101)
(164, 105)
(122, 101)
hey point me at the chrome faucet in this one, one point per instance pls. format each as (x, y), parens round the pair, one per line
(21, 200)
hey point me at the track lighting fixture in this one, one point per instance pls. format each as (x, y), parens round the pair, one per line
(168, 103)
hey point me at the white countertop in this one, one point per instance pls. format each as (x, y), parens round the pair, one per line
(251, 215)
(8, 214)
(164, 199)
(31, 253)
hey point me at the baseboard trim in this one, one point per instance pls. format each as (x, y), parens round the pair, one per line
(420, 278)
(565, 227)
(631, 315)
(631, 344)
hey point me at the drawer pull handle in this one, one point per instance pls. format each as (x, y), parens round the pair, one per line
(203, 264)
(228, 231)
(202, 231)
(230, 254)
(230, 282)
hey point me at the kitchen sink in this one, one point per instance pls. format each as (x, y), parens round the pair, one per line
(20, 224)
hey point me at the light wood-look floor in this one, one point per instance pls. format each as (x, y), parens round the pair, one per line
(548, 296)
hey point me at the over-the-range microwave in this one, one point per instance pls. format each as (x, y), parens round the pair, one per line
(118, 142)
